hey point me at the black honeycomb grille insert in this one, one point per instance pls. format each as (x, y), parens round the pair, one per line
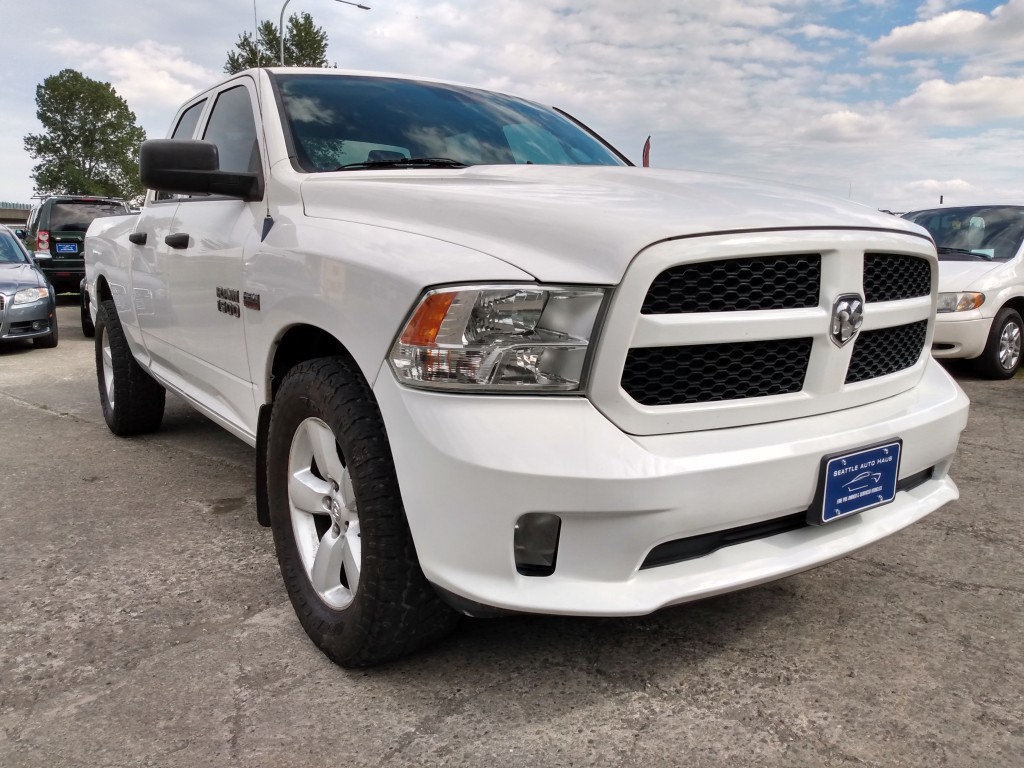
(886, 350)
(736, 285)
(891, 277)
(3, 299)
(705, 373)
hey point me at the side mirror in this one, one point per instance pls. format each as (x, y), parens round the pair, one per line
(193, 168)
(19, 233)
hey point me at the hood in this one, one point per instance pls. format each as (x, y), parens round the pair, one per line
(956, 276)
(14, 277)
(575, 224)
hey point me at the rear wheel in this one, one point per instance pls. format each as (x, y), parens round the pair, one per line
(342, 540)
(88, 328)
(132, 402)
(1002, 354)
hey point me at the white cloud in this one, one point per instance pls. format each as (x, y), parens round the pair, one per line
(818, 32)
(972, 102)
(844, 126)
(931, 8)
(964, 33)
(146, 74)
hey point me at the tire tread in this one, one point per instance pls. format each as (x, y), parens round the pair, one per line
(138, 399)
(396, 611)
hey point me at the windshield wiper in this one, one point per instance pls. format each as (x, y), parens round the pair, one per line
(975, 254)
(404, 162)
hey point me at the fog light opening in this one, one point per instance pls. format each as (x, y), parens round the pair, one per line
(535, 543)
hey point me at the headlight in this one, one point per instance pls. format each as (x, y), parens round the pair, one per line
(28, 295)
(960, 302)
(515, 338)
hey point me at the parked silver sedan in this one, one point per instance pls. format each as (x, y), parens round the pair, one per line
(28, 308)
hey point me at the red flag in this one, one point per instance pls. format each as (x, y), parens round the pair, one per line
(647, 153)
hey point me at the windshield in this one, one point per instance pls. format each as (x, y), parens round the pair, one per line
(76, 216)
(378, 122)
(10, 251)
(992, 232)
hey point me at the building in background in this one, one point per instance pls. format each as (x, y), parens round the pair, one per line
(14, 214)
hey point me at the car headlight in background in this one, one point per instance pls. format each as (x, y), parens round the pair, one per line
(960, 302)
(28, 295)
(508, 338)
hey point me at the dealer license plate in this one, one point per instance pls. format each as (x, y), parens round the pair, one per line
(853, 482)
(67, 247)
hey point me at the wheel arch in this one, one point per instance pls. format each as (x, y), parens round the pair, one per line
(296, 345)
(103, 292)
(1015, 302)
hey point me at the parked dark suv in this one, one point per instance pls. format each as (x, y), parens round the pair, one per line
(56, 231)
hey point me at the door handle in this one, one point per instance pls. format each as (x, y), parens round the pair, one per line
(177, 240)
(139, 238)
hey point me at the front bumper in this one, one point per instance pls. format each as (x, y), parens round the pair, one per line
(470, 466)
(26, 321)
(960, 334)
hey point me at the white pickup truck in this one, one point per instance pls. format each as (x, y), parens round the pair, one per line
(488, 366)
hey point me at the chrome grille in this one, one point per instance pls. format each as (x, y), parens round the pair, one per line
(705, 373)
(886, 350)
(892, 277)
(736, 285)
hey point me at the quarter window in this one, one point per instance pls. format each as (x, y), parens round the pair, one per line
(188, 122)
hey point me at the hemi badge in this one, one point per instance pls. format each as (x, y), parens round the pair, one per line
(251, 300)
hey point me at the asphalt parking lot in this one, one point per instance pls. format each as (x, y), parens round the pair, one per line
(145, 624)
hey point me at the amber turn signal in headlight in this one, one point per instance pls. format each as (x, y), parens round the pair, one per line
(515, 338)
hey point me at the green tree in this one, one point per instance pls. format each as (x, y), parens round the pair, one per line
(90, 140)
(305, 45)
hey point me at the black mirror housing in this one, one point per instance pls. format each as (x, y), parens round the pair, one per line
(193, 168)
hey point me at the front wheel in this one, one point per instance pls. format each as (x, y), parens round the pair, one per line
(342, 539)
(1001, 357)
(49, 341)
(132, 402)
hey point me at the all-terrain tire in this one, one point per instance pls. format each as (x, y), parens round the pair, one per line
(132, 402)
(393, 610)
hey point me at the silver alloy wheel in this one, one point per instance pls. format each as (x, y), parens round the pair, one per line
(1009, 346)
(108, 369)
(320, 489)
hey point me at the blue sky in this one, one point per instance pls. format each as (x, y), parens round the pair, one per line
(891, 104)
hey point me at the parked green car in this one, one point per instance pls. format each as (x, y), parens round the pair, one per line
(56, 232)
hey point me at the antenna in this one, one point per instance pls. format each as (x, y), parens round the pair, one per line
(256, 35)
